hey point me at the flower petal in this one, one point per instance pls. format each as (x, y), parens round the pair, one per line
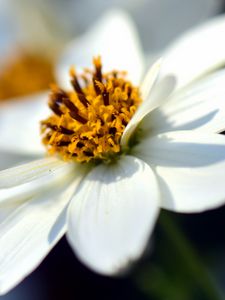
(112, 215)
(6, 210)
(157, 96)
(115, 38)
(200, 106)
(20, 124)
(190, 168)
(29, 232)
(150, 79)
(43, 168)
(198, 51)
(26, 191)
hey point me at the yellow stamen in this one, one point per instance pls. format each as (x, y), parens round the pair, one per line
(87, 123)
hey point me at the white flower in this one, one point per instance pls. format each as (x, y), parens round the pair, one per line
(109, 211)
(21, 44)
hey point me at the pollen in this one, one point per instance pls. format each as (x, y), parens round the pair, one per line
(87, 122)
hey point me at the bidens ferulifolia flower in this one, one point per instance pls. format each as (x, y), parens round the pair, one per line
(119, 153)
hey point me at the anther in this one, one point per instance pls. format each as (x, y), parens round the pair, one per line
(129, 91)
(98, 72)
(77, 117)
(76, 85)
(83, 99)
(65, 130)
(55, 108)
(69, 104)
(98, 68)
(58, 95)
(115, 74)
(105, 97)
(62, 143)
(88, 153)
(112, 130)
(74, 111)
(80, 145)
(96, 86)
(60, 129)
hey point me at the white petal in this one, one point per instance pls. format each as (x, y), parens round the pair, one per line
(20, 124)
(190, 168)
(26, 191)
(149, 79)
(12, 198)
(6, 210)
(30, 232)
(115, 38)
(43, 168)
(196, 52)
(19, 194)
(200, 106)
(112, 215)
(158, 95)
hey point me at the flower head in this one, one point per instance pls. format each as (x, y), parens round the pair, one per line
(17, 70)
(88, 123)
(166, 158)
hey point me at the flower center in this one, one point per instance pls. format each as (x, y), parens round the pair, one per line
(24, 73)
(88, 122)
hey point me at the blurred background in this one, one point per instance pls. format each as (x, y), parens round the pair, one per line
(33, 33)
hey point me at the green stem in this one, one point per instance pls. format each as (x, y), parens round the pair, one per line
(190, 258)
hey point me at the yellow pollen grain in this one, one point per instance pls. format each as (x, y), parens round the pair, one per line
(87, 122)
